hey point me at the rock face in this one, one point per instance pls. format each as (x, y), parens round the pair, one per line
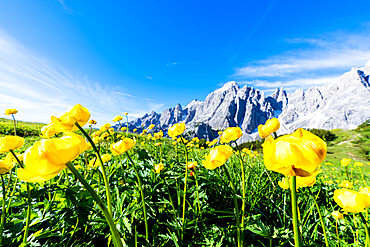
(344, 104)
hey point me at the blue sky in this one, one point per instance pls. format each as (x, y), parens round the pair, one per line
(138, 56)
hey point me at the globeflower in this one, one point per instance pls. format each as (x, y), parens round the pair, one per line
(48, 131)
(96, 162)
(338, 215)
(8, 143)
(11, 111)
(231, 134)
(105, 127)
(158, 167)
(66, 122)
(271, 125)
(192, 165)
(5, 166)
(351, 201)
(47, 157)
(92, 121)
(345, 162)
(151, 126)
(122, 146)
(298, 154)
(117, 118)
(301, 182)
(176, 129)
(217, 157)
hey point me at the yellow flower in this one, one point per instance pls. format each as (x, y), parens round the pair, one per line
(76, 114)
(338, 215)
(5, 166)
(358, 164)
(8, 143)
(11, 111)
(351, 201)
(158, 134)
(158, 167)
(192, 165)
(217, 157)
(96, 134)
(117, 118)
(366, 191)
(47, 157)
(96, 162)
(92, 121)
(105, 127)
(122, 146)
(346, 184)
(48, 131)
(298, 154)
(123, 128)
(151, 126)
(271, 125)
(345, 161)
(301, 182)
(126, 113)
(158, 144)
(134, 130)
(231, 134)
(176, 129)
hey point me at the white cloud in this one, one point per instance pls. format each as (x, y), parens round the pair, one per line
(40, 89)
(321, 60)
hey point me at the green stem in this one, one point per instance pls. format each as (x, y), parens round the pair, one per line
(336, 230)
(236, 206)
(106, 180)
(321, 220)
(3, 210)
(15, 126)
(142, 199)
(115, 234)
(366, 229)
(25, 236)
(243, 194)
(297, 237)
(173, 206)
(184, 196)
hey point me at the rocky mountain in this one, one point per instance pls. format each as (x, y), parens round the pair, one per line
(344, 104)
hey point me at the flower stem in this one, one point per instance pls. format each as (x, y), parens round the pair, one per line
(142, 199)
(105, 178)
(115, 234)
(15, 126)
(321, 220)
(297, 237)
(184, 196)
(236, 206)
(3, 210)
(366, 229)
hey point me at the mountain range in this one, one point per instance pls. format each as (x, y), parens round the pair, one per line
(344, 103)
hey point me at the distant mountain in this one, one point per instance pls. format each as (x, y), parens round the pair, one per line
(343, 104)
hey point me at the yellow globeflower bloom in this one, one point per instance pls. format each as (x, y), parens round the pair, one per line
(5, 166)
(271, 125)
(192, 165)
(217, 157)
(176, 129)
(134, 130)
(301, 182)
(126, 113)
(122, 146)
(11, 111)
(231, 134)
(151, 126)
(338, 215)
(298, 154)
(366, 191)
(105, 127)
(345, 161)
(92, 121)
(351, 201)
(346, 184)
(8, 143)
(158, 168)
(48, 131)
(47, 157)
(158, 134)
(284, 183)
(76, 114)
(358, 164)
(96, 162)
(117, 118)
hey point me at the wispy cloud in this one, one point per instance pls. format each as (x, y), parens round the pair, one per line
(319, 62)
(39, 89)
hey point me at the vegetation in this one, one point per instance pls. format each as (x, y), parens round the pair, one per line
(179, 206)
